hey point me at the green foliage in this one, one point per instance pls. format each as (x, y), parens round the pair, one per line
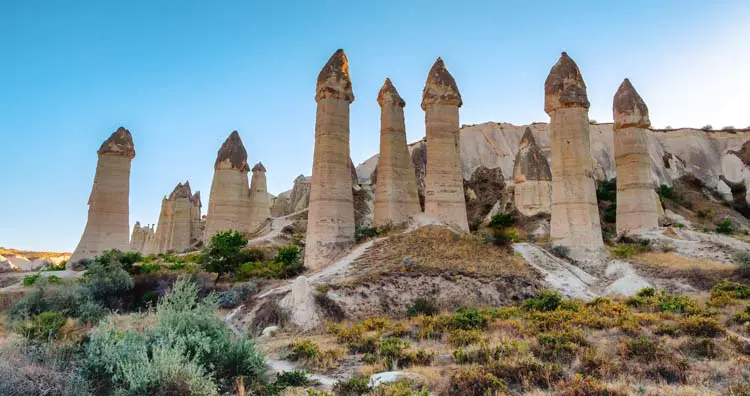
(668, 193)
(356, 386)
(461, 338)
(469, 319)
(237, 294)
(44, 326)
(287, 379)
(126, 259)
(303, 350)
(624, 250)
(289, 256)
(146, 268)
(30, 280)
(106, 279)
(288, 264)
(392, 349)
(224, 253)
(502, 220)
(742, 258)
(58, 267)
(547, 300)
(560, 251)
(733, 289)
(607, 190)
(610, 214)
(725, 227)
(700, 326)
(422, 306)
(364, 233)
(475, 381)
(403, 387)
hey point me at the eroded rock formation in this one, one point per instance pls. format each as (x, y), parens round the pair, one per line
(532, 177)
(228, 204)
(179, 227)
(396, 197)
(260, 209)
(141, 238)
(574, 210)
(330, 226)
(637, 202)
(444, 190)
(108, 225)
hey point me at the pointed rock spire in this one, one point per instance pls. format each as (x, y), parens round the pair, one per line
(119, 143)
(259, 167)
(181, 191)
(440, 87)
(233, 150)
(333, 80)
(629, 109)
(530, 163)
(389, 94)
(564, 86)
(527, 139)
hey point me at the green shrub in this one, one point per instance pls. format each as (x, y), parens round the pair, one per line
(303, 350)
(363, 233)
(224, 253)
(237, 294)
(607, 190)
(44, 326)
(356, 386)
(502, 220)
(560, 251)
(547, 300)
(287, 379)
(30, 280)
(475, 381)
(422, 306)
(58, 267)
(403, 387)
(699, 326)
(469, 319)
(106, 279)
(461, 338)
(733, 289)
(146, 268)
(725, 227)
(68, 299)
(742, 258)
(392, 349)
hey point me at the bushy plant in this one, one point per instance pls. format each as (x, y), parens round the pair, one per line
(469, 319)
(547, 300)
(725, 227)
(237, 294)
(502, 220)
(356, 386)
(106, 279)
(224, 253)
(41, 368)
(560, 251)
(422, 306)
(475, 381)
(364, 233)
(44, 326)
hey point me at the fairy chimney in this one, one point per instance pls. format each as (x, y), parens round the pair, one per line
(260, 208)
(575, 214)
(108, 225)
(396, 196)
(330, 221)
(228, 202)
(178, 227)
(141, 237)
(637, 202)
(532, 178)
(444, 183)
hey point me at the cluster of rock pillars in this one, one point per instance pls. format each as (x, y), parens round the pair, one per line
(567, 190)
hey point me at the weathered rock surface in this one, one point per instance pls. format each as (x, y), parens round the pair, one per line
(637, 202)
(179, 227)
(330, 226)
(260, 209)
(228, 204)
(300, 304)
(532, 177)
(444, 192)
(483, 189)
(396, 198)
(142, 238)
(108, 225)
(575, 214)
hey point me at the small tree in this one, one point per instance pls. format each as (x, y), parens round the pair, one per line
(224, 253)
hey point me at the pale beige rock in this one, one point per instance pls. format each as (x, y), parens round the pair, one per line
(532, 178)
(260, 209)
(141, 237)
(575, 214)
(330, 225)
(444, 190)
(108, 225)
(299, 197)
(396, 198)
(637, 202)
(178, 228)
(229, 201)
(300, 305)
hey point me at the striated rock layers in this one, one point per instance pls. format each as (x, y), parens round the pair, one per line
(179, 226)
(228, 204)
(396, 197)
(637, 203)
(260, 209)
(108, 226)
(532, 177)
(330, 225)
(575, 214)
(142, 238)
(444, 190)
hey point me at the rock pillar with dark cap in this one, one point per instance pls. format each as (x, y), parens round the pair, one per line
(108, 224)
(637, 202)
(260, 207)
(330, 219)
(575, 214)
(228, 204)
(396, 197)
(444, 183)
(532, 178)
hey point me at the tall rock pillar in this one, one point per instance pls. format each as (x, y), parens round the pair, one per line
(179, 219)
(396, 197)
(575, 214)
(260, 207)
(532, 178)
(444, 182)
(228, 204)
(637, 203)
(108, 225)
(330, 220)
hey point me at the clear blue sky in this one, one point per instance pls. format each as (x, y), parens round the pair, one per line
(181, 75)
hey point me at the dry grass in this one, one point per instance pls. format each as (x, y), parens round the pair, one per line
(680, 263)
(29, 254)
(438, 248)
(699, 273)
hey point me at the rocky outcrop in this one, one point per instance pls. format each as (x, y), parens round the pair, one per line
(108, 224)
(300, 195)
(179, 226)
(228, 202)
(141, 238)
(532, 178)
(483, 189)
(396, 198)
(638, 205)
(330, 226)
(260, 209)
(575, 214)
(444, 191)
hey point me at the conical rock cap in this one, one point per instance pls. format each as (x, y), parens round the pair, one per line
(119, 143)
(564, 86)
(628, 108)
(389, 94)
(440, 87)
(233, 150)
(333, 80)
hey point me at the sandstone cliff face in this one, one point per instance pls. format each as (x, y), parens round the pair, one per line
(532, 177)
(141, 238)
(330, 226)
(179, 226)
(108, 224)
(260, 209)
(228, 204)
(483, 190)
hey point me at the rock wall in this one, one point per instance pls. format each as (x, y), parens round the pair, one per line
(532, 177)
(108, 225)
(260, 209)
(179, 226)
(141, 238)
